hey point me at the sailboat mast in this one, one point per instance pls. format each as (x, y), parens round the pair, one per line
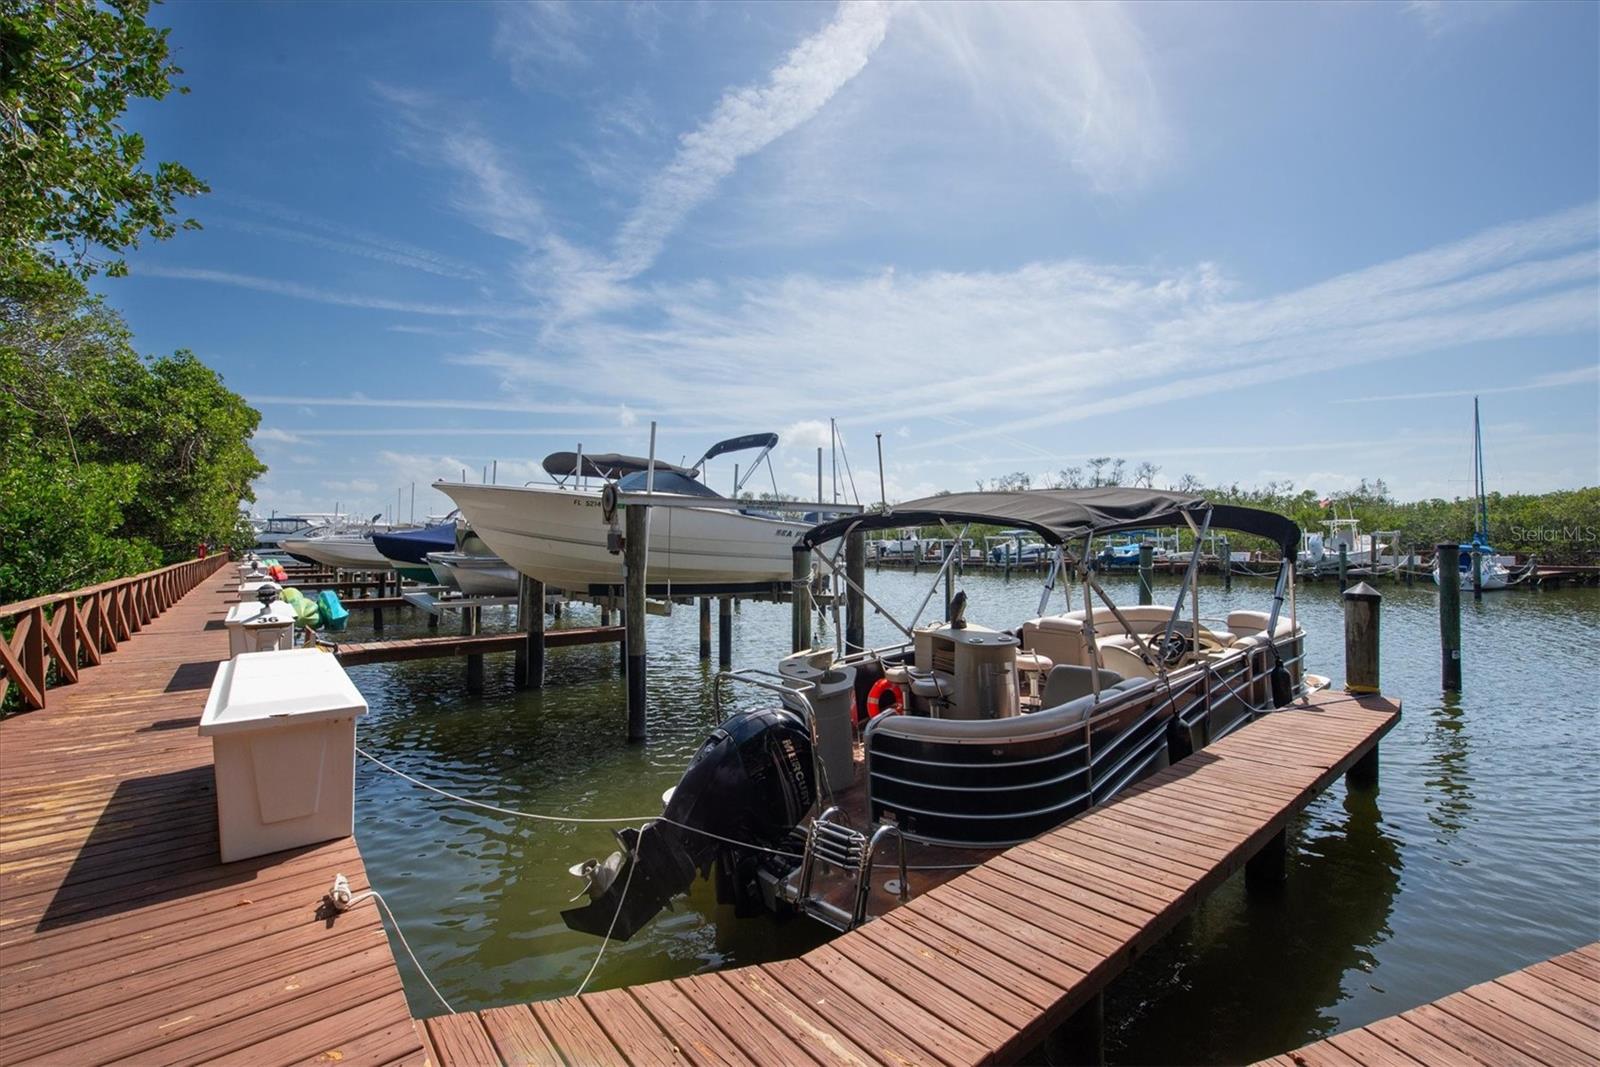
(1477, 474)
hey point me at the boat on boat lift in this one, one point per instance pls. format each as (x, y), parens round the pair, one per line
(971, 738)
(566, 535)
(342, 548)
(1493, 572)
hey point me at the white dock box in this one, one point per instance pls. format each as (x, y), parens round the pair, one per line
(250, 588)
(257, 627)
(283, 738)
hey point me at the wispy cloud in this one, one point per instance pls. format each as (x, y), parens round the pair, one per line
(745, 121)
(276, 436)
(1041, 346)
(1442, 16)
(1076, 75)
(301, 291)
(1555, 380)
(539, 39)
(307, 228)
(434, 404)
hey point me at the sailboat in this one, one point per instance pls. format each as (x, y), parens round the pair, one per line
(1492, 572)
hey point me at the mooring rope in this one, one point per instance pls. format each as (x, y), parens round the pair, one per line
(343, 899)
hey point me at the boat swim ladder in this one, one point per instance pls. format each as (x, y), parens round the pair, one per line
(832, 840)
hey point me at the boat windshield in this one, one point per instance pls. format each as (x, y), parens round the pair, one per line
(667, 482)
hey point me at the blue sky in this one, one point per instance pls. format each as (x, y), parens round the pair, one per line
(1254, 242)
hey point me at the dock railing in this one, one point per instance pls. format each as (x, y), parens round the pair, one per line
(54, 637)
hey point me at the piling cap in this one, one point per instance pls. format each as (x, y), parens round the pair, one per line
(1362, 591)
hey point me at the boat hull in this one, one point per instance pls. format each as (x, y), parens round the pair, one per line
(343, 553)
(559, 537)
(476, 575)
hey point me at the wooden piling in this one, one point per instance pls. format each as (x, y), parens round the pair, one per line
(1447, 560)
(1270, 866)
(1147, 563)
(800, 595)
(705, 628)
(1227, 565)
(1362, 605)
(855, 572)
(633, 552)
(1477, 573)
(530, 614)
(949, 581)
(471, 621)
(725, 632)
(1344, 566)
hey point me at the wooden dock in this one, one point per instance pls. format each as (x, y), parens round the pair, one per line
(358, 652)
(121, 935)
(1547, 1015)
(985, 967)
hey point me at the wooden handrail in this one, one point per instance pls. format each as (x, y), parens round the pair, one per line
(71, 631)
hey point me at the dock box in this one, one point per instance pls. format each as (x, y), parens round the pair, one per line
(283, 736)
(249, 589)
(257, 627)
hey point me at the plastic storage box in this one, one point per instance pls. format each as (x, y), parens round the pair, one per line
(259, 627)
(283, 736)
(831, 700)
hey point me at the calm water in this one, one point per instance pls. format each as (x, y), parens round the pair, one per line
(1479, 853)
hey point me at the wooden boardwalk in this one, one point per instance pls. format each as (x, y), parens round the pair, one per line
(121, 936)
(1547, 1015)
(984, 967)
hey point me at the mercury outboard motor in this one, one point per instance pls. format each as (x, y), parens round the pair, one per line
(750, 783)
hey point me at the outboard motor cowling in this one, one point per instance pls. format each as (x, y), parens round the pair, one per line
(749, 784)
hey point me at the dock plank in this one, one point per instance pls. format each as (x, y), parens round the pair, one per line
(1492, 1023)
(121, 935)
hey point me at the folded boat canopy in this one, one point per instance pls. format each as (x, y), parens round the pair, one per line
(1059, 515)
(604, 465)
(739, 444)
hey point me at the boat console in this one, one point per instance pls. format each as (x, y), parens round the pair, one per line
(964, 673)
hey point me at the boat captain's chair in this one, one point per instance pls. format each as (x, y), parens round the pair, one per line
(1034, 668)
(931, 686)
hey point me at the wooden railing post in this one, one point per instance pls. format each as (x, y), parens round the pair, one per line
(33, 652)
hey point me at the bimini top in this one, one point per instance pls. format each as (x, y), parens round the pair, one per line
(1060, 515)
(605, 465)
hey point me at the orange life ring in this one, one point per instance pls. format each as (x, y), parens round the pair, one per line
(875, 701)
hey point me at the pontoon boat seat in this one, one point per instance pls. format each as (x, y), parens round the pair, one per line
(1061, 636)
(1248, 624)
(1033, 667)
(1068, 682)
(1124, 659)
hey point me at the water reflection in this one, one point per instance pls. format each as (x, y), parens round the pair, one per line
(1451, 779)
(1256, 969)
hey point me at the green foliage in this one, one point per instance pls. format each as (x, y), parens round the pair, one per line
(110, 463)
(72, 179)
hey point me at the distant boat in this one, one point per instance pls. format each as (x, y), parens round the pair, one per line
(559, 533)
(350, 550)
(408, 550)
(1492, 572)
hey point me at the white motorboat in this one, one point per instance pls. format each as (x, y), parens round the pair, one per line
(560, 533)
(272, 530)
(341, 551)
(474, 575)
